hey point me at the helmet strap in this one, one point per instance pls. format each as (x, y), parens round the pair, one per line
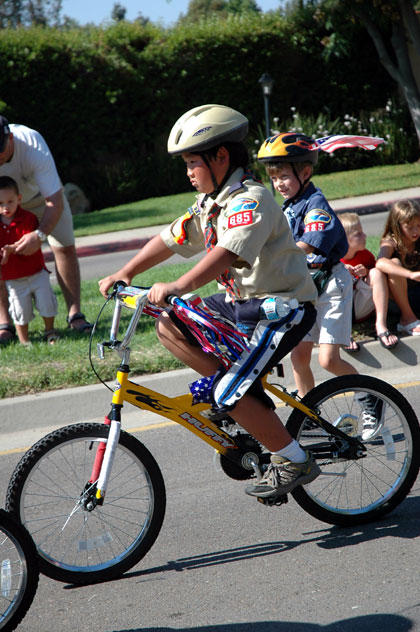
(302, 185)
(217, 187)
(213, 177)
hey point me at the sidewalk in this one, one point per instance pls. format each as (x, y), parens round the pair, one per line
(138, 237)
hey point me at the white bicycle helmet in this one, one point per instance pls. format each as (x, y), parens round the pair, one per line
(205, 127)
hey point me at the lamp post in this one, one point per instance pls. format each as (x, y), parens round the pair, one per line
(266, 81)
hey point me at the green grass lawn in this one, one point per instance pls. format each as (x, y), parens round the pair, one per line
(45, 367)
(162, 210)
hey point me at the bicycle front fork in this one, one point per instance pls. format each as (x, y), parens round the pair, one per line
(96, 487)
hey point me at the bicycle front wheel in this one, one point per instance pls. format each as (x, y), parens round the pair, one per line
(351, 492)
(19, 572)
(76, 545)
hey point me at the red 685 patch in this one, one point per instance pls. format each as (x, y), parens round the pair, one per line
(241, 212)
(243, 218)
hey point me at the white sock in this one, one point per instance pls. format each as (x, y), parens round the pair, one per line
(293, 452)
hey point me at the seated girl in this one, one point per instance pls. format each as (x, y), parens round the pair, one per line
(399, 259)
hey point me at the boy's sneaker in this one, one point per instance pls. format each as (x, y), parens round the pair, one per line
(372, 415)
(282, 476)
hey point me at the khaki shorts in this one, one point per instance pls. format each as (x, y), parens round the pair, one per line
(334, 310)
(23, 293)
(62, 235)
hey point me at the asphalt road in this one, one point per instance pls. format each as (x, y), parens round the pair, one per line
(225, 563)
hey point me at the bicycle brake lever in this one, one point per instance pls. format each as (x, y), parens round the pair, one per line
(100, 347)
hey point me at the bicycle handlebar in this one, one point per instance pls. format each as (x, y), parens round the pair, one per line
(215, 336)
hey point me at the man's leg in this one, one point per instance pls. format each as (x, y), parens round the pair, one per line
(61, 242)
(68, 277)
(6, 334)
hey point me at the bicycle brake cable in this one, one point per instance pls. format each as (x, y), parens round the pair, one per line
(111, 296)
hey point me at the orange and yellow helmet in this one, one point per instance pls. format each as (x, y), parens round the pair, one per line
(288, 147)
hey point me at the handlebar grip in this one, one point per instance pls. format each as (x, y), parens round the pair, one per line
(170, 299)
(118, 284)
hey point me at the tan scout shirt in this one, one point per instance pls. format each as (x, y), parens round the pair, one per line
(251, 225)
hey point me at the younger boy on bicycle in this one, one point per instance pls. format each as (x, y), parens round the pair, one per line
(251, 252)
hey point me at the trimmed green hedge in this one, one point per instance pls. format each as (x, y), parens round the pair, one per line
(105, 99)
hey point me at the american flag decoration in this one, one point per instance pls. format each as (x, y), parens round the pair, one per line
(337, 141)
(215, 335)
(152, 310)
(201, 390)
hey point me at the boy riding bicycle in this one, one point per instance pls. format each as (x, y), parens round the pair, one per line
(251, 252)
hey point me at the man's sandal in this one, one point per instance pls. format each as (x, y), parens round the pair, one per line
(7, 327)
(51, 336)
(84, 327)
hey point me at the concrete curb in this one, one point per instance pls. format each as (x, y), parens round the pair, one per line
(90, 403)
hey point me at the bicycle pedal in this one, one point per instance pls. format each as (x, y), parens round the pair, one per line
(275, 501)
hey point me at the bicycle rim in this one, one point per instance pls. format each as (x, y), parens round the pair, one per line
(73, 544)
(350, 492)
(19, 572)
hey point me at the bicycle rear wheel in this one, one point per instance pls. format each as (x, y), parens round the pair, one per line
(351, 492)
(76, 545)
(19, 572)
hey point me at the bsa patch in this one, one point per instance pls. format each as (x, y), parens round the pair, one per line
(240, 213)
(316, 220)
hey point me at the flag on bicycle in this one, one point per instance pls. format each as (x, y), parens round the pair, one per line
(201, 390)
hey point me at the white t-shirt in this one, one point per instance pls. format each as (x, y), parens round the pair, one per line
(32, 165)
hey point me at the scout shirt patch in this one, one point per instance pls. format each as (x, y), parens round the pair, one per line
(181, 235)
(240, 213)
(316, 219)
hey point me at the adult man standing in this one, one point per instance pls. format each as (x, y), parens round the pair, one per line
(25, 157)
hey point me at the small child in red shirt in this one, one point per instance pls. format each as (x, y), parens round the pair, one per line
(26, 277)
(370, 287)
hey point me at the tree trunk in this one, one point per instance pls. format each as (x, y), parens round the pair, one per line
(402, 71)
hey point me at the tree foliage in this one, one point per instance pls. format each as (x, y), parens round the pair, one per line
(118, 12)
(14, 13)
(394, 28)
(199, 9)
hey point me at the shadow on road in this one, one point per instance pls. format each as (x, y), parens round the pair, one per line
(404, 522)
(368, 623)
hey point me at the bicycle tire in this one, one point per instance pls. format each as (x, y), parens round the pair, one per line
(18, 587)
(75, 545)
(352, 492)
